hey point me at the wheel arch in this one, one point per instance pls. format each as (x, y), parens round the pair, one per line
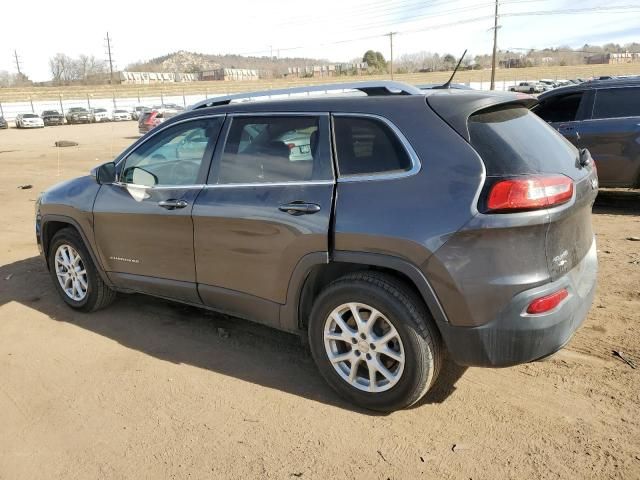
(52, 224)
(313, 273)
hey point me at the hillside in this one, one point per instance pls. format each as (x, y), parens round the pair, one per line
(183, 61)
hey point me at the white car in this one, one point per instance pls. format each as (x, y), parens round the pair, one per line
(528, 87)
(119, 115)
(99, 115)
(29, 120)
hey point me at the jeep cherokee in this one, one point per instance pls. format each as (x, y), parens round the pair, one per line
(386, 228)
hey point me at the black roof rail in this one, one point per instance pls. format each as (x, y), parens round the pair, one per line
(373, 88)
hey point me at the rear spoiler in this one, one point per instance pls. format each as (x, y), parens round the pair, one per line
(456, 106)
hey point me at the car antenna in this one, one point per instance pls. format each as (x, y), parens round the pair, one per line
(455, 70)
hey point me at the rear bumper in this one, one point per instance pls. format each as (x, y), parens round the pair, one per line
(515, 337)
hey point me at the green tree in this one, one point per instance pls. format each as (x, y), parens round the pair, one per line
(375, 60)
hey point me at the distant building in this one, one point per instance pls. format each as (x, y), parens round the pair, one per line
(328, 70)
(230, 74)
(512, 63)
(613, 58)
(146, 78)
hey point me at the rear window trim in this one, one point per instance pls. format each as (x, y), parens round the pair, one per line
(416, 166)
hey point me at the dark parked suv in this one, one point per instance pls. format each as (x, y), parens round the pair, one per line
(386, 228)
(603, 116)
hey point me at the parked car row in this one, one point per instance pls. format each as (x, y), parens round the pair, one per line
(74, 115)
(546, 84)
(542, 85)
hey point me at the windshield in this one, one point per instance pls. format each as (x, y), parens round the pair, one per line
(30, 115)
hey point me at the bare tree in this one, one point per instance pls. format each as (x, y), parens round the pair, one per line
(87, 67)
(61, 68)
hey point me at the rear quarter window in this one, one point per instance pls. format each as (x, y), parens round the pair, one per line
(366, 146)
(514, 141)
(617, 103)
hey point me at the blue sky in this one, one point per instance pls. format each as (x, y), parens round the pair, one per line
(338, 30)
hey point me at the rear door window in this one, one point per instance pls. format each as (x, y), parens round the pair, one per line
(275, 149)
(617, 103)
(366, 146)
(514, 141)
(559, 109)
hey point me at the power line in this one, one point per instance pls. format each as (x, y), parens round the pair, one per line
(612, 10)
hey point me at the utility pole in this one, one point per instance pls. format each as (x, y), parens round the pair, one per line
(110, 60)
(391, 34)
(495, 46)
(15, 54)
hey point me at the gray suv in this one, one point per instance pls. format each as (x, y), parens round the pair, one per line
(385, 225)
(603, 116)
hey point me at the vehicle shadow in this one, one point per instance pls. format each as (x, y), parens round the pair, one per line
(187, 335)
(617, 202)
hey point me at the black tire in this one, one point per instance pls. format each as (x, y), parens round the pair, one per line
(531, 90)
(409, 316)
(98, 294)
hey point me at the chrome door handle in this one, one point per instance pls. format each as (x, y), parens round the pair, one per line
(299, 208)
(172, 204)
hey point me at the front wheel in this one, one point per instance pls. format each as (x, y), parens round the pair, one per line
(374, 341)
(75, 275)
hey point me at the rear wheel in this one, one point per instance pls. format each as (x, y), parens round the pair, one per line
(75, 275)
(374, 341)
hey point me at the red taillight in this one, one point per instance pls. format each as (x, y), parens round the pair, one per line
(529, 193)
(291, 146)
(547, 303)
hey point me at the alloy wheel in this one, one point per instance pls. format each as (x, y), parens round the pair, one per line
(71, 272)
(364, 347)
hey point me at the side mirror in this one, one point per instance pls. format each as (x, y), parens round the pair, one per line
(140, 177)
(143, 177)
(105, 173)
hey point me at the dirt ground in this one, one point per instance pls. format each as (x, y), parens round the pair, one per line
(150, 389)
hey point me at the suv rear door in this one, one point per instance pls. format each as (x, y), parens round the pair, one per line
(612, 135)
(267, 204)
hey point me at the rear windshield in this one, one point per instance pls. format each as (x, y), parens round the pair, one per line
(514, 141)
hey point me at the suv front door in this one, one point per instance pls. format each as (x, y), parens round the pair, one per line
(142, 222)
(267, 205)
